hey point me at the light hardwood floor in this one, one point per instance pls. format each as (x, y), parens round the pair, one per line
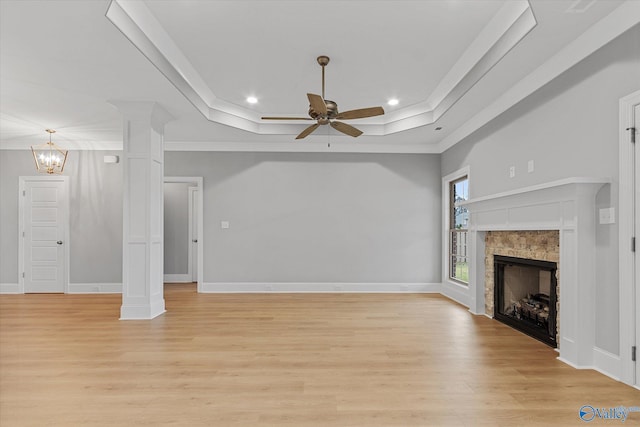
(283, 359)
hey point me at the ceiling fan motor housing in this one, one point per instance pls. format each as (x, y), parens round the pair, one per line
(332, 111)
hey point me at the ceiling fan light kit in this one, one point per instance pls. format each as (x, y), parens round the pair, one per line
(325, 112)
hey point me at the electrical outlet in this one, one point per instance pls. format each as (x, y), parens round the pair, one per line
(512, 171)
(224, 224)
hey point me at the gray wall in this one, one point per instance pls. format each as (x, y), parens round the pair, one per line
(95, 215)
(569, 128)
(176, 228)
(294, 217)
(353, 218)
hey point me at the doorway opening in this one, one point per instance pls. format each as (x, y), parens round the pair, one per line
(183, 230)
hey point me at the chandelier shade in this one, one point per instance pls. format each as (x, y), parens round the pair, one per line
(49, 157)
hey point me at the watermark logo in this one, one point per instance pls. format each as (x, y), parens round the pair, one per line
(620, 413)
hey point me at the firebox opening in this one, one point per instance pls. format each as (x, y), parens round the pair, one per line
(525, 296)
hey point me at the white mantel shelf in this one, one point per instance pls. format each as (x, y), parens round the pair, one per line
(538, 187)
(566, 205)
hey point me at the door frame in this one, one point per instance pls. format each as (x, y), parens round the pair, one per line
(193, 196)
(198, 181)
(22, 181)
(629, 316)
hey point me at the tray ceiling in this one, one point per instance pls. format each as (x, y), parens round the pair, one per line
(451, 64)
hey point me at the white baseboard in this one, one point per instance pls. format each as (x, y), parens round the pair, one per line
(604, 362)
(177, 278)
(573, 365)
(95, 288)
(259, 287)
(458, 293)
(10, 288)
(607, 363)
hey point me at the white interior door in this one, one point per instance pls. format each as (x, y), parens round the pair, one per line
(45, 217)
(193, 232)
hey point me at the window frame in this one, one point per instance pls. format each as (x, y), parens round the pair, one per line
(448, 183)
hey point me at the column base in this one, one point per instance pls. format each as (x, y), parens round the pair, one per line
(142, 312)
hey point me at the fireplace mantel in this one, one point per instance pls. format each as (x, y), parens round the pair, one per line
(567, 205)
(538, 207)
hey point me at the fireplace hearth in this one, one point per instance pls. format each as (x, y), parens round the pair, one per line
(525, 296)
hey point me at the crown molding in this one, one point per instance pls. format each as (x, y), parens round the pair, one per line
(613, 25)
(134, 19)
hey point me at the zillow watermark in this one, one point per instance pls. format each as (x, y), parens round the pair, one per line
(620, 413)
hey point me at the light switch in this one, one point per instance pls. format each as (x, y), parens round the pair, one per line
(224, 224)
(607, 215)
(530, 166)
(512, 171)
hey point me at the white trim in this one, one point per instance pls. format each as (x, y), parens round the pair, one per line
(10, 288)
(625, 231)
(22, 180)
(567, 206)
(544, 186)
(509, 26)
(177, 278)
(316, 144)
(606, 363)
(573, 365)
(457, 292)
(199, 181)
(95, 288)
(319, 287)
(602, 32)
(193, 275)
(142, 312)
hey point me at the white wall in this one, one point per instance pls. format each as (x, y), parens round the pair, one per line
(568, 128)
(309, 218)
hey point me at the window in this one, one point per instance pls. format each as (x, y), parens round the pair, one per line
(458, 222)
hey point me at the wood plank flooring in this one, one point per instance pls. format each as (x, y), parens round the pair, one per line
(283, 360)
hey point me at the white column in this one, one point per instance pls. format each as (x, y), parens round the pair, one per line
(143, 209)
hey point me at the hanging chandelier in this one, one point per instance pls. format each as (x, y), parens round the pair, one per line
(49, 157)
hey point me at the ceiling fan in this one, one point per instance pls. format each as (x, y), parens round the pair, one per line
(326, 112)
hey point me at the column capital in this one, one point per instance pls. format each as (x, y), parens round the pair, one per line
(147, 111)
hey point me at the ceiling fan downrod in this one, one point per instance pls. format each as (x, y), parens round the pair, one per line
(323, 60)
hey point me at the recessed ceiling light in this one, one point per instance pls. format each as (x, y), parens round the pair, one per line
(252, 100)
(393, 102)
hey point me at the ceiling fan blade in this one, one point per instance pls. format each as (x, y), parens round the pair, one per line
(361, 113)
(286, 118)
(307, 131)
(345, 128)
(317, 103)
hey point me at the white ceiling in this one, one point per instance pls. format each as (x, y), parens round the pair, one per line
(453, 64)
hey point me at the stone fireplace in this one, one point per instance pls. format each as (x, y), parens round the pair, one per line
(535, 245)
(553, 222)
(525, 296)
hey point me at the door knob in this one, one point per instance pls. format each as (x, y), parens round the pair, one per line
(195, 240)
(59, 242)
